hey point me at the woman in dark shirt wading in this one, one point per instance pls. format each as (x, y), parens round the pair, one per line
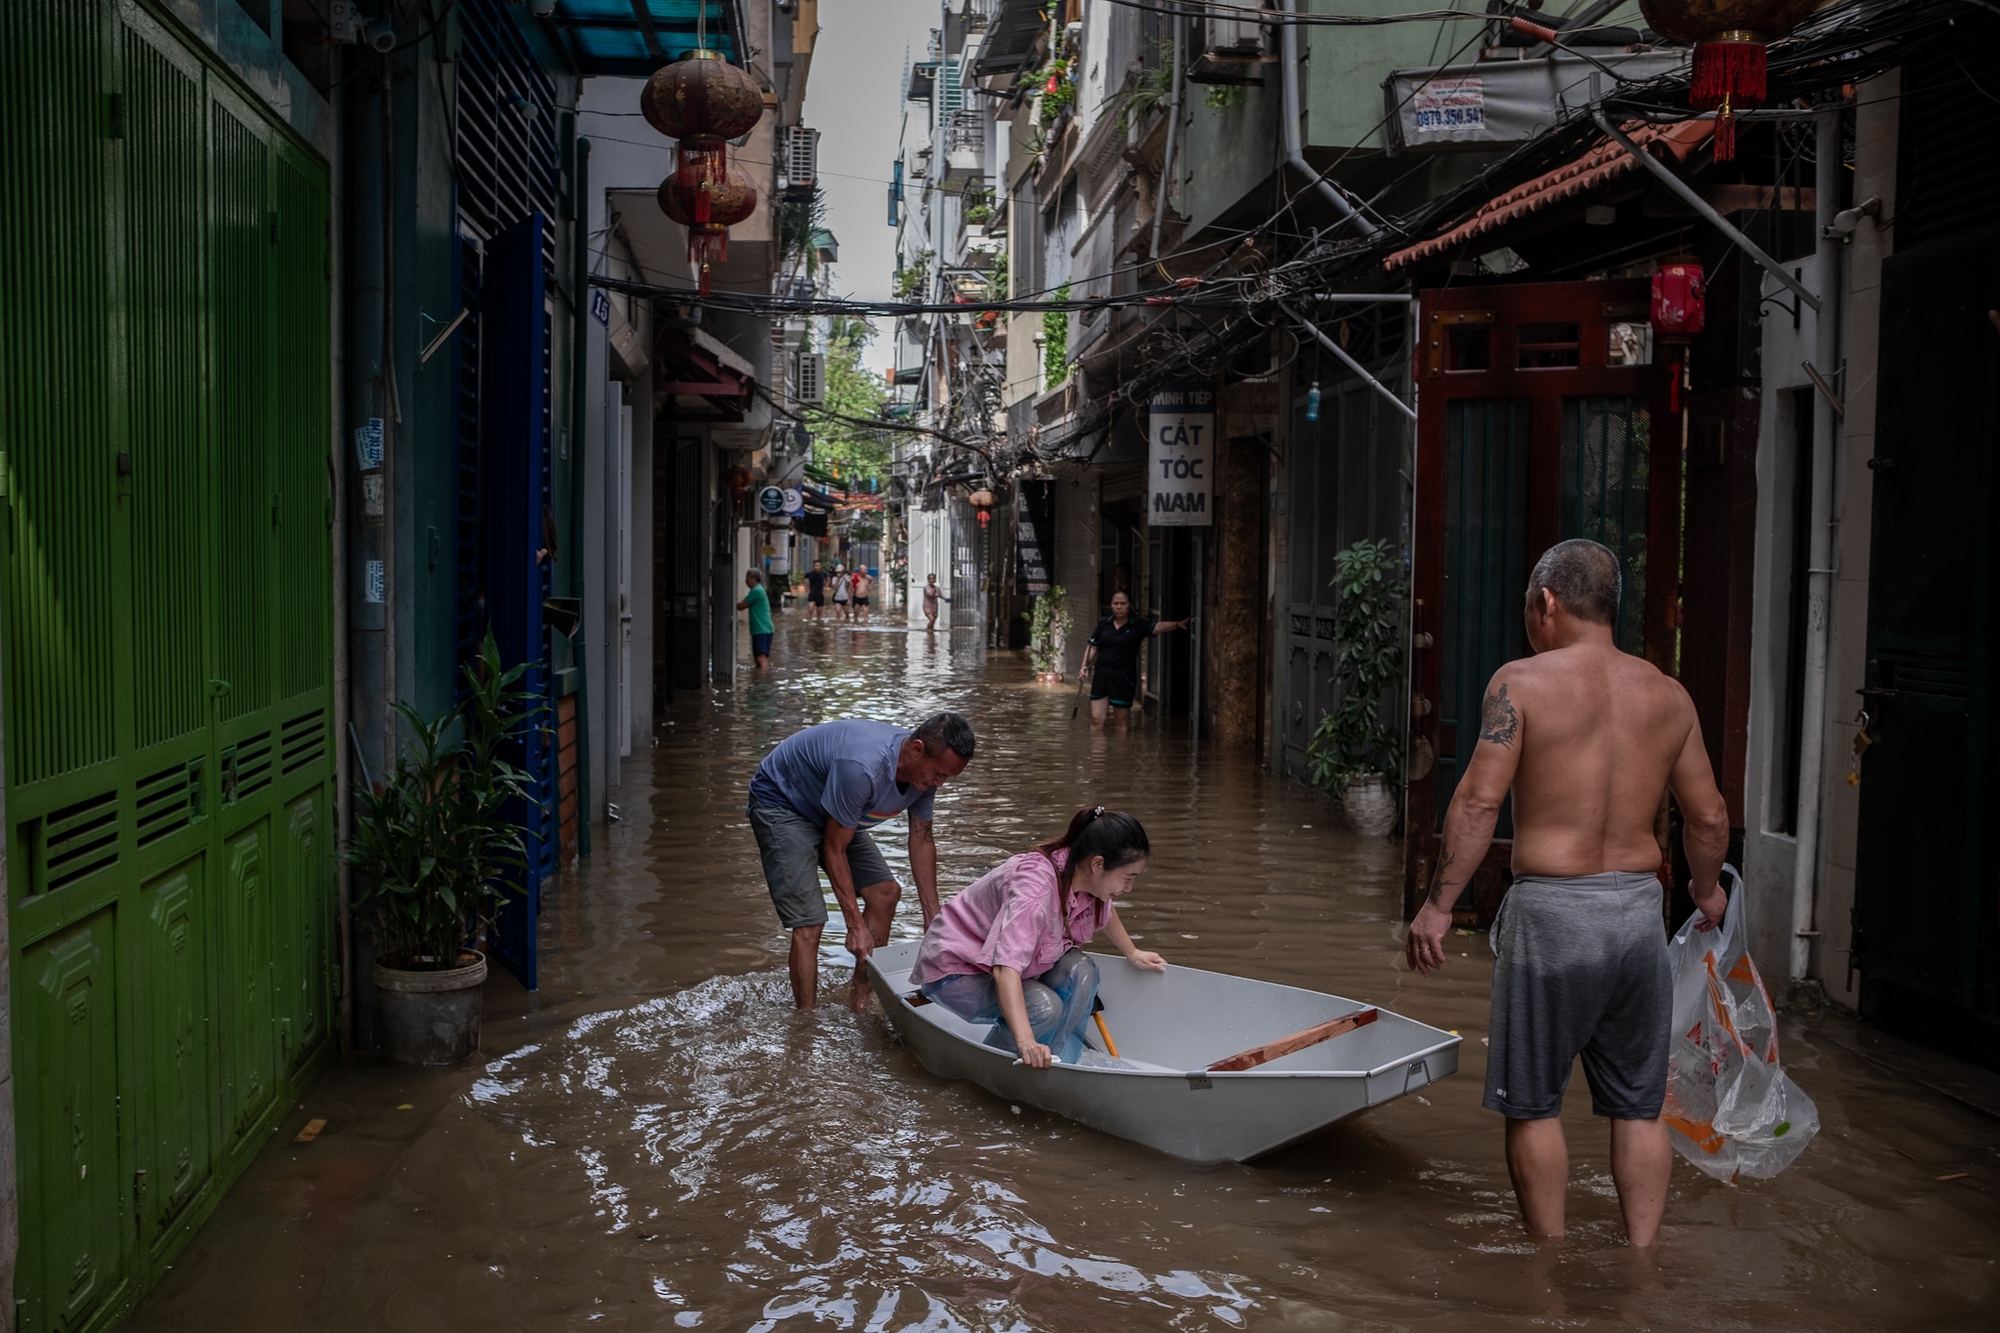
(1112, 663)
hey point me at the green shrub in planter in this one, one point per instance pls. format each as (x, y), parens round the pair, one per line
(1351, 740)
(433, 846)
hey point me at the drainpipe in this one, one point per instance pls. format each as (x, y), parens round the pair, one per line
(1352, 364)
(1819, 569)
(1295, 152)
(579, 414)
(1173, 130)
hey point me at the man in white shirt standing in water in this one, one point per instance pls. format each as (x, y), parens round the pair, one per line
(1588, 739)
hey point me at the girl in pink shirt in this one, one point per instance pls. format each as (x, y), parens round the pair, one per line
(1009, 949)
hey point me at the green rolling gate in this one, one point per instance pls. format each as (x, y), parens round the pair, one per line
(167, 637)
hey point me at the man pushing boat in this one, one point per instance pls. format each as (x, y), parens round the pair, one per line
(1588, 739)
(812, 802)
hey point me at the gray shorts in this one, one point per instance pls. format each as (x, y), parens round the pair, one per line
(789, 844)
(1581, 970)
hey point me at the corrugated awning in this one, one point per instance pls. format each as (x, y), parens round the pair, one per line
(1673, 144)
(636, 37)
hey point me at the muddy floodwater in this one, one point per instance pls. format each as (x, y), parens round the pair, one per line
(657, 1140)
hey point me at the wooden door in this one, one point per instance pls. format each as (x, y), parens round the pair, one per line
(1536, 423)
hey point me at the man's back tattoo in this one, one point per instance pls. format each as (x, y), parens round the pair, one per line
(1497, 720)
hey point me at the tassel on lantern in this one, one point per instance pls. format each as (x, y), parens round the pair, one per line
(1729, 73)
(701, 160)
(708, 243)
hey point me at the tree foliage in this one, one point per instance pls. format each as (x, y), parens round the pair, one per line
(852, 390)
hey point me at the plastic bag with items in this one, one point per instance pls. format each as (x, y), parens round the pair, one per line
(1730, 1108)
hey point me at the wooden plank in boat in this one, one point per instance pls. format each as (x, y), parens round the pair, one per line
(1298, 1041)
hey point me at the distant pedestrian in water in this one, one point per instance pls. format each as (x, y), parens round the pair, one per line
(758, 603)
(816, 592)
(864, 585)
(843, 592)
(1009, 949)
(932, 594)
(812, 802)
(1588, 740)
(1112, 660)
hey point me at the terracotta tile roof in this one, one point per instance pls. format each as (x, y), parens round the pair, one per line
(1602, 163)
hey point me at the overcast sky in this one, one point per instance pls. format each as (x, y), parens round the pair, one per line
(854, 98)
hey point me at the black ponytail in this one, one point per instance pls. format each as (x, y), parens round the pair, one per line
(1096, 831)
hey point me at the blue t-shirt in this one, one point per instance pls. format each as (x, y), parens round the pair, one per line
(842, 771)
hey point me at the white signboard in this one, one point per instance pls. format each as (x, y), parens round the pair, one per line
(1180, 456)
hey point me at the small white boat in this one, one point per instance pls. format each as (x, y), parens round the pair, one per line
(1300, 1060)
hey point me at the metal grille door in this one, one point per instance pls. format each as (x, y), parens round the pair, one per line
(1607, 446)
(167, 580)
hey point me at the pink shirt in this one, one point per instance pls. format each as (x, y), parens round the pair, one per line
(1009, 917)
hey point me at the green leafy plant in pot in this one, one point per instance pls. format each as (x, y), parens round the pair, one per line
(1353, 752)
(434, 847)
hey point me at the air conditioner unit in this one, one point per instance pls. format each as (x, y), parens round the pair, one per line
(800, 165)
(1230, 50)
(811, 380)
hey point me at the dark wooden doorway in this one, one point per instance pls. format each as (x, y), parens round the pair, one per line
(1541, 417)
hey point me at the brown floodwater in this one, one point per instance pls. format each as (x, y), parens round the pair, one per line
(657, 1140)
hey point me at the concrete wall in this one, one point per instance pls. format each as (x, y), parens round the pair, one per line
(1853, 497)
(1769, 855)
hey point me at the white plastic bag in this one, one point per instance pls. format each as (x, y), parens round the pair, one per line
(1730, 1108)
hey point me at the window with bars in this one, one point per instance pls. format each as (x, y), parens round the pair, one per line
(504, 134)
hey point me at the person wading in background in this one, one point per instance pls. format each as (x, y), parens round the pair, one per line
(816, 592)
(843, 592)
(932, 594)
(812, 802)
(1588, 739)
(758, 603)
(1112, 660)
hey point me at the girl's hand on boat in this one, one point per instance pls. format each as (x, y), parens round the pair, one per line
(1147, 959)
(1036, 1056)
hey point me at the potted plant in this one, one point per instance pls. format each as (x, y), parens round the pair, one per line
(1352, 751)
(1048, 633)
(433, 847)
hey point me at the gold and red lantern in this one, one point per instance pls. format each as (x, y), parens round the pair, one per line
(708, 211)
(702, 102)
(1729, 38)
(981, 501)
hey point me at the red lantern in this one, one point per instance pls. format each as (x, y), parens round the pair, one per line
(702, 102)
(981, 501)
(738, 480)
(1729, 38)
(1678, 306)
(708, 211)
(1679, 311)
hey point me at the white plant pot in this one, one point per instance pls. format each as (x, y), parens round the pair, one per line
(1370, 805)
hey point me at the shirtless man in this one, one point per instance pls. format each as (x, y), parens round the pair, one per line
(1588, 738)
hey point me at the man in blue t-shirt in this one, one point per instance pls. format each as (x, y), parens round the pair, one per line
(812, 802)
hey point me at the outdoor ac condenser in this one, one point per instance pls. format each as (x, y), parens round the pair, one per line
(801, 163)
(1231, 50)
(811, 379)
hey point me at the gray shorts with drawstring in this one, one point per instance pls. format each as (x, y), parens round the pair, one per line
(1581, 969)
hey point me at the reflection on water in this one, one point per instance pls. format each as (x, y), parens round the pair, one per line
(659, 1140)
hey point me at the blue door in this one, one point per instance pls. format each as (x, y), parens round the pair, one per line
(514, 397)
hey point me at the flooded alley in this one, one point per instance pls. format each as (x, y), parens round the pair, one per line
(657, 1139)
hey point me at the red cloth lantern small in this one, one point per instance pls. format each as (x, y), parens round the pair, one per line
(1678, 305)
(1679, 311)
(1729, 38)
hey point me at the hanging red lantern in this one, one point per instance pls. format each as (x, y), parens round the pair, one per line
(702, 102)
(981, 501)
(738, 480)
(1679, 311)
(708, 211)
(1729, 38)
